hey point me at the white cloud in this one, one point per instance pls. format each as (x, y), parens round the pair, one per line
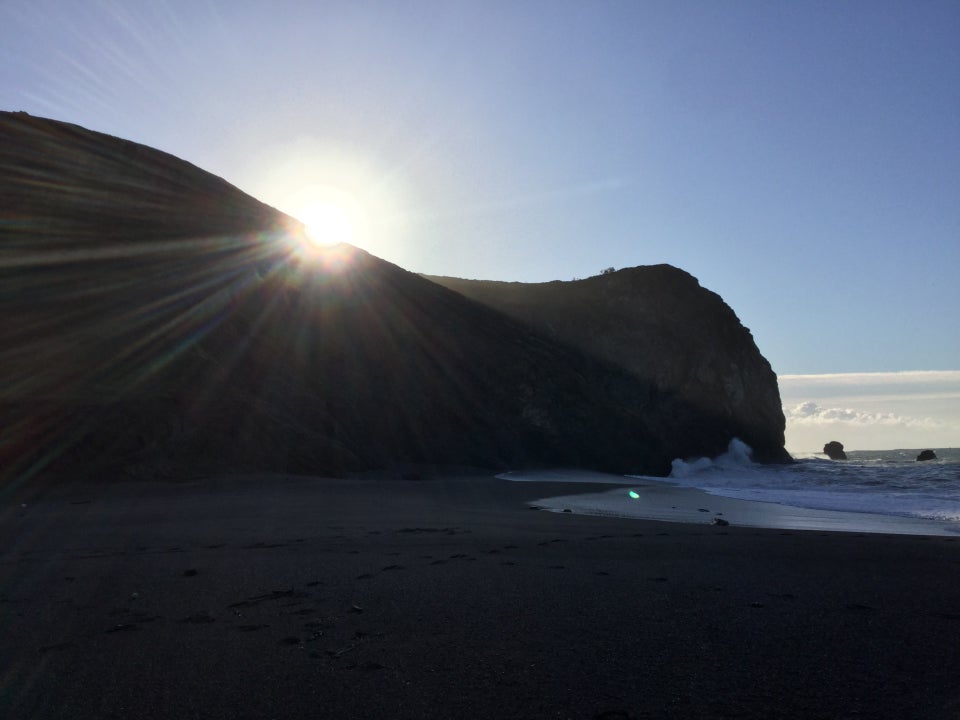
(872, 411)
(810, 413)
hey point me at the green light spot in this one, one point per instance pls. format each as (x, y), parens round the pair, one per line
(634, 495)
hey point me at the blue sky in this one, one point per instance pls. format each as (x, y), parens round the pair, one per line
(801, 159)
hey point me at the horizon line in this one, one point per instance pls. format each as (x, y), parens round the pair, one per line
(876, 375)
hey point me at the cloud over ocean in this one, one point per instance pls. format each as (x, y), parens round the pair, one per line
(872, 410)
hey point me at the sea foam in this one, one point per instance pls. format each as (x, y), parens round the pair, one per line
(887, 482)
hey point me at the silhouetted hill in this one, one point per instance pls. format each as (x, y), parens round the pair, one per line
(158, 321)
(659, 324)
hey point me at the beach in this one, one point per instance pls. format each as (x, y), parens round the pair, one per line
(447, 593)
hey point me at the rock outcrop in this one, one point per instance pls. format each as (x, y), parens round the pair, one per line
(926, 455)
(659, 324)
(834, 450)
(158, 321)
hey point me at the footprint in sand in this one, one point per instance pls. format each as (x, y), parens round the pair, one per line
(123, 627)
(200, 618)
(59, 646)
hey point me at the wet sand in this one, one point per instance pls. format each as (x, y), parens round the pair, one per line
(446, 596)
(653, 500)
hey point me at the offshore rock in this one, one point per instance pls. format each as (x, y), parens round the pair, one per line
(834, 450)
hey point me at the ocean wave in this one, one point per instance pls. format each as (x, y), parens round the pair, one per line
(882, 482)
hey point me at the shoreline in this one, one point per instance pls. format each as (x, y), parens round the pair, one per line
(666, 502)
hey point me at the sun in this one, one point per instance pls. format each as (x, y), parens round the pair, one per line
(338, 196)
(331, 217)
(327, 223)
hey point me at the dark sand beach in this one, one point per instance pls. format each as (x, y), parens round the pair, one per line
(448, 597)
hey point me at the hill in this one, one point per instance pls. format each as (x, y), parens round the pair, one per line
(160, 322)
(659, 324)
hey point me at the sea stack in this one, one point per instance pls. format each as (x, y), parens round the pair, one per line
(834, 450)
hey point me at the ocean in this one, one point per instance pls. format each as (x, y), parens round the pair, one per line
(884, 482)
(871, 491)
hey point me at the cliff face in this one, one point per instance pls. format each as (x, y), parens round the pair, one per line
(659, 324)
(159, 322)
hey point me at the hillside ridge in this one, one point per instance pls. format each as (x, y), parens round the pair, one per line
(161, 323)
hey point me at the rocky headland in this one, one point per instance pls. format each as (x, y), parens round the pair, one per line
(160, 322)
(659, 324)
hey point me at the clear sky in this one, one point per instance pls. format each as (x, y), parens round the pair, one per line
(802, 159)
